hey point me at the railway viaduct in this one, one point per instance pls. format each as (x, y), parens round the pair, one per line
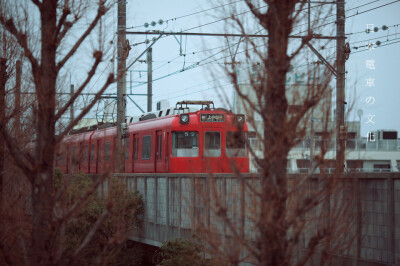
(176, 203)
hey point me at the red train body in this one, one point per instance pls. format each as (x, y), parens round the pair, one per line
(205, 141)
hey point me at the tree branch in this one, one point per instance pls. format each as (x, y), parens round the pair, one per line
(22, 159)
(37, 3)
(260, 16)
(90, 235)
(98, 55)
(110, 80)
(100, 13)
(21, 39)
(62, 22)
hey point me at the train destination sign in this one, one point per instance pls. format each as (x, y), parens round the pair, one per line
(212, 118)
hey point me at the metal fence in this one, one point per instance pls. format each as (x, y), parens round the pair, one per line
(352, 144)
(175, 205)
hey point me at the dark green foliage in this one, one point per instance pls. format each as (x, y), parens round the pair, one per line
(181, 252)
(108, 244)
(58, 178)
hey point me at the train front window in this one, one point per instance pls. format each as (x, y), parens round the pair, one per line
(212, 144)
(185, 144)
(236, 144)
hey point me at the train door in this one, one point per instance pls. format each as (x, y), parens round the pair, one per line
(86, 158)
(212, 150)
(114, 154)
(74, 159)
(127, 152)
(135, 151)
(158, 154)
(80, 157)
(98, 154)
(92, 164)
(167, 153)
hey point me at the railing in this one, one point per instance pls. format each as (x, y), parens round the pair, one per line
(352, 144)
(177, 204)
(332, 170)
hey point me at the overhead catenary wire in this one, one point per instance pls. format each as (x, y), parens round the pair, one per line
(215, 21)
(190, 14)
(366, 32)
(329, 57)
(382, 45)
(197, 85)
(350, 9)
(194, 65)
(314, 27)
(226, 46)
(358, 13)
(201, 64)
(390, 43)
(219, 20)
(198, 63)
(224, 85)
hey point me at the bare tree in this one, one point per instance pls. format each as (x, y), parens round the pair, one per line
(273, 219)
(45, 33)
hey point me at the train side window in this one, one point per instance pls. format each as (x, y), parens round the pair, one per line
(212, 144)
(86, 152)
(107, 147)
(92, 153)
(236, 144)
(126, 147)
(185, 144)
(146, 148)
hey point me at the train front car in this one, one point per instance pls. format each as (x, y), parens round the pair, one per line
(209, 141)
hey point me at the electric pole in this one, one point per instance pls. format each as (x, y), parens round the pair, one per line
(121, 93)
(340, 79)
(122, 52)
(149, 79)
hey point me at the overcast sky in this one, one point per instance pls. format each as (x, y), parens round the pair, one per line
(197, 83)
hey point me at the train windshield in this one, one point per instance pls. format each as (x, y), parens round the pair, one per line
(236, 144)
(185, 144)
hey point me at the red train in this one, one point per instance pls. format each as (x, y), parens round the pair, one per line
(205, 141)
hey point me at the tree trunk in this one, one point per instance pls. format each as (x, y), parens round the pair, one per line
(273, 209)
(42, 194)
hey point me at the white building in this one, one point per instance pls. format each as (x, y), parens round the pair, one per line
(380, 152)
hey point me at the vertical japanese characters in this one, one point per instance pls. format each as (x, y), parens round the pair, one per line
(370, 83)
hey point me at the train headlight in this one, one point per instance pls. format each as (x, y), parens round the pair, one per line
(184, 118)
(240, 119)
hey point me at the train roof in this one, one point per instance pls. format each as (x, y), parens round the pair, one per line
(160, 115)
